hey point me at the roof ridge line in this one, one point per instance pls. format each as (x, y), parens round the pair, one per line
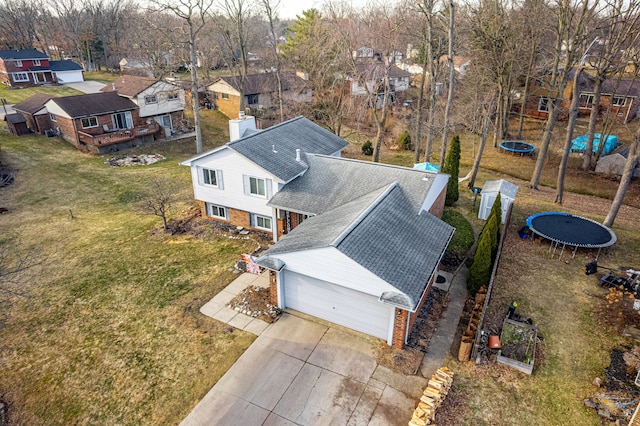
(355, 160)
(363, 214)
(259, 132)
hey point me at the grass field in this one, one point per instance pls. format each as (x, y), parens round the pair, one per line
(110, 332)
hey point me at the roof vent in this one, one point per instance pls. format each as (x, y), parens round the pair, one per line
(273, 149)
(298, 155)
(241, 115)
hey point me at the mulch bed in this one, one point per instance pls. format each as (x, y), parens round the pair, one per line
(254, 302)
(428, 319)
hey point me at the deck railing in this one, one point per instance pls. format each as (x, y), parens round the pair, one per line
(109, 138)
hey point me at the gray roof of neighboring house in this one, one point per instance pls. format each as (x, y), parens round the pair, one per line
(65, 65)
(15, 118)
(274, 149)
(94, 104)
(33, 104)
(382, 232)
(267, 83)
(22, 54)
(331, 182)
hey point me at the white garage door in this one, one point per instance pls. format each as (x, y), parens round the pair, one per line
(340, 305)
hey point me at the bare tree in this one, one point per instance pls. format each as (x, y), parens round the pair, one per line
(235, 26)
(452, 77)
(632, 161)
(193, 13)
(373, 40)
(16, 266)
(160, 199)
(269, 9)
(570, 28)
(618, 32)
(431, 51)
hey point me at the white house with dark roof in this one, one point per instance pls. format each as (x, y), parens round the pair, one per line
(360, 243)
(234, 182)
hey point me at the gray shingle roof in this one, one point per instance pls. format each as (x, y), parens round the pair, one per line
(274, 149)
(22, 54)
(33, 104)
(382, 232)
(331, 182)
(65, 65)
(94, 104)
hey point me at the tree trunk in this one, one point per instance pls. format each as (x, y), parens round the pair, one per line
(418, 142)
(532, 56)
(452, 77)
(627, 174)
(380, 120)
(591, 131)
(194, 88)
(483, 141)
(573, 115)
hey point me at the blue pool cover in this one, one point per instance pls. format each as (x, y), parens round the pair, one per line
(579, 144)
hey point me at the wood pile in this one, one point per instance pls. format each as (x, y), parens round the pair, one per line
(469, 335)
(432, 397)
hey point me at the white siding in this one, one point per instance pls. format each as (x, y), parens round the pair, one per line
(163, 106)
(69, 76)
(233, 167)
(329, 264)
(340, 305)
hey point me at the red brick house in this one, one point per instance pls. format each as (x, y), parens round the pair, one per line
(24, 68)
(34, 112)
(99, 122)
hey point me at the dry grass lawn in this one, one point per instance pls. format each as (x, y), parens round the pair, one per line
(110, 331)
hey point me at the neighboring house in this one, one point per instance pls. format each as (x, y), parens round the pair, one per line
(372, 74)
(618, 98)
(359, 242)
(159, 100)
(31, 67)
(260, 92)
(133, 66)
(66, 71)
(98, 122)
(34, 112)
(24, 68)
(234, 182)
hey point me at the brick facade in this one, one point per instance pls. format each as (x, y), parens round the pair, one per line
(229, 107)
(438, 205)
(399, 328)
(273, 288)
(236, 217)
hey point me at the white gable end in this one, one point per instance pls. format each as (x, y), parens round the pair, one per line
(331, 265)
(233, 170)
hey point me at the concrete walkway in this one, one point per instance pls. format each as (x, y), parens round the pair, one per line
(305, 372)
(441, 341)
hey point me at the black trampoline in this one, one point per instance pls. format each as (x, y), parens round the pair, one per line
(518, 147)
(565, 229)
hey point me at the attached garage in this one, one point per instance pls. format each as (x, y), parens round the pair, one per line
(349, 308)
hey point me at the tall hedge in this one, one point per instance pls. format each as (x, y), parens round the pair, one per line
(452, 167)
(480, 271)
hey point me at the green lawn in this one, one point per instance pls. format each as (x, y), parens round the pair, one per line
(110, 332)
(15, 95)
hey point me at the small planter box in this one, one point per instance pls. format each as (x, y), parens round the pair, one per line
(518, 341)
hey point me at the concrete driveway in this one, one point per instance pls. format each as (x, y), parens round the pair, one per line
(303, 372)
(89, 86)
